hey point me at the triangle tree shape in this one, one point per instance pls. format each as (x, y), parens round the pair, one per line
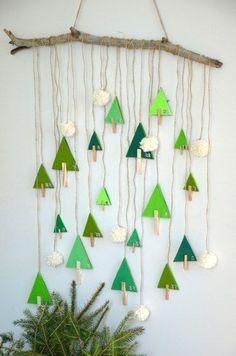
(64, 155)
(114, 115)
(167, 278)
(160, 105)
(157, 202)
(135, 144)
(79, 254)
(94, 141)
(134, 240)
(185, 250)
(42, 179)
(39, 289)
(91, 228)
(103, 197)
(59, 225)
(181, 142)
(191, 183)
(124, 275)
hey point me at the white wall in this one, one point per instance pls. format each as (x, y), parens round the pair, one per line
(200, 319)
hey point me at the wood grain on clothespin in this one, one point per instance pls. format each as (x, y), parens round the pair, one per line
(78, 272)
(133, 248)
(124, 295)
(167, 292)
(39, 300)
(159, 117)
(65, 174)
(186, 262)
(156, 223)
(94, 154)
(92, 240)
(190, 193)
(113, 126)
(139, 161)
(43, 190)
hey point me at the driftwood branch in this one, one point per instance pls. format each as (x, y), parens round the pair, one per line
(77, 36)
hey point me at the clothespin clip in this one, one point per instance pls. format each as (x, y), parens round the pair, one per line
(94, 154)
(190, 193)
(39, 301)
(43, 190)
(181, 150)
(159, 116)
(133, 248)
(139, 161)
(113, 126)
(156, 223)
(92, 240)
(78, 272)
(124, 295)
(167, 292)
(185, 262)
(65, 175)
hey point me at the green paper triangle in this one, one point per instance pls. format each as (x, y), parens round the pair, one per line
(167, 278)
(64, 155)
(91, 228)
(124, 275)
(42, 178)
(59, 225)
(103, 197)
(160, 105)
(134, 239)
(181, 142)
(135, 144)
(157, 202)
(192, 183)
(94, 141)
(114, 114)
(79, 254)
(39, 289)
(185, 249)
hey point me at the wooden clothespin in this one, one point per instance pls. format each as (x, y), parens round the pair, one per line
(94, 154)
(78, 272)
(181, 151)
(92, 240)
(185, 262)
(159, 117)
(113, 126)
(167, 292)
(156, 223)
(133, 248)
(139, 161)
(124, 295)
(103, 206)
(190, 193)
(39, 300)
(65, 175)
(43, 190)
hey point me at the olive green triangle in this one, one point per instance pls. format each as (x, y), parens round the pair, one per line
(185, 250)
(39, 289)
(124, 275)
(160, 105)
(181, 142)
(59, 225)
(157, 202)
(91, 228)
(94, 142)
(167, 278)
(79, 254)
(42, 179)
(134, 239)
(135, 144)
(103, 197)
(191, 183)
(114, 114)
(64, 155)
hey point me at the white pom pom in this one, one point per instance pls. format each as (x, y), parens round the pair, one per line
(119, 234)
(149, 144)
(101, 97)
(208, 260)
(67, 128)
(141, 313)
(200, 148)
(55, 259)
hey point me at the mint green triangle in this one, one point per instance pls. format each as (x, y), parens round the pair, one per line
(157, 202)
(64, 155)
(134, 239)
(103, 197)
(124, 275)
(185, 249)
(59, 225)
(181, 142)
(91, 228)
(160, 105)
(192, 183)
(39, 289)
(79, 254)
(135, 144)
(114, 114)
(167, 278)
(94, 141)
(42, 178)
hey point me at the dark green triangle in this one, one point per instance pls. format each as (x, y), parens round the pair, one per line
(91, 228)
(167, 278)
(42, 178)
(160, 105)
(134, 239)
(124, 275)
(181, 142)
(79, 254)
(157, 202)
(94, 141)
(103, 197)
(185, 249)
(114, 114)
(64, 155)
(39, 289)
(135, 144)
(192, 183)
(59, 225)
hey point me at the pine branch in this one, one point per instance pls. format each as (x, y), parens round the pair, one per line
(91, 301)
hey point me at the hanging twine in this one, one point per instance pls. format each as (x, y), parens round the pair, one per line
(160, 18)
(103, 83)
(203, 102)
(135, 117)
(158, 126)
(78, 12)
(92, 85)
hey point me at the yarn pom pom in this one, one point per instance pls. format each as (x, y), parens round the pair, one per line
(101, 97)
(55, 259)
(200, 148)
(119, 234)
(67, 128)
(141, 313)
(208, 260)
(149, 144)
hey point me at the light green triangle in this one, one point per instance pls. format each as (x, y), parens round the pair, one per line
(103, 197)
(94, 141)
(59, 225)
(91, 228)
(64, 155)
(181, 142)
(124, 275)
(42, 179)
(79, 254)
(185, 250)
(160, 105)
(191, 183)
(157, 202)
(134, 239)
(39, 289)
(114, 114)
(167, 278)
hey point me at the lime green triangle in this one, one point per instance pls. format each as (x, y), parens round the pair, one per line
(114, 114)
(124, 275)
(134, 239)
(91, 228)
(185, 249)
(191, 183)
(160, 105)
(157, 202)
(39, 289)
(167, 278)
(42, 178)
(135, 144)
(181, 142)
(79, 254)
(59, 225)
(64, 155)
(94, 141)
(103, 197)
